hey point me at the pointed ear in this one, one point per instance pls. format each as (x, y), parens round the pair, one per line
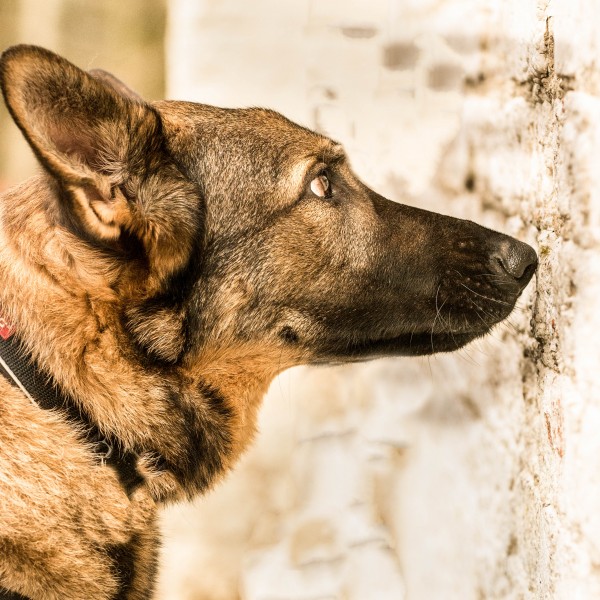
(83, 129)
(114, 82)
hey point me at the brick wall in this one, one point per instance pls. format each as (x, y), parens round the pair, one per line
(468, 476)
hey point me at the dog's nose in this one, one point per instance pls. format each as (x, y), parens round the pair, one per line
(515, 259)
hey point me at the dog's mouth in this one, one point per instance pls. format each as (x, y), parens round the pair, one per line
(461, 307)
(414, 344)
(446, 329)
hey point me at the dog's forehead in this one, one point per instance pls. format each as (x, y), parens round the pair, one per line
(260, 133)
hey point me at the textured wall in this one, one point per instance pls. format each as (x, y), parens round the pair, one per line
(468, 476)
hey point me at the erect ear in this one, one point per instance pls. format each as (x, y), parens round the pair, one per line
(114, 82)
(105, 147)
(79, 128)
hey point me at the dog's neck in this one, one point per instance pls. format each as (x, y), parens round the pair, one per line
(188, 422)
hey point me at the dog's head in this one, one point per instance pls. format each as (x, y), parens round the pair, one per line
(239, 226)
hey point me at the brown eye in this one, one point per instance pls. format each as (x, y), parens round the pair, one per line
(320, 186)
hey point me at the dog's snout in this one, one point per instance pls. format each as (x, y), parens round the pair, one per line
(515, 259)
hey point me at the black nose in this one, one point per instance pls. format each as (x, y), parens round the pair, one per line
(515, 259)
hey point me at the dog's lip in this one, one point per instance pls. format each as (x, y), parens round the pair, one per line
(418, 344)
(415, 344)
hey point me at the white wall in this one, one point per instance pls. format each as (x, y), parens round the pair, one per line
(468, 476)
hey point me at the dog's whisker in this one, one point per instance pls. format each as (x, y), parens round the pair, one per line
(485, 297)
(412, 333)
(464, 352)
(436, 316)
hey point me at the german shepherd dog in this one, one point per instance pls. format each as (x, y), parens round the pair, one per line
(166, 264)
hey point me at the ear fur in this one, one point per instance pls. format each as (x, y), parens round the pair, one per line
(114, 82)
(78, 128)
(104, 146)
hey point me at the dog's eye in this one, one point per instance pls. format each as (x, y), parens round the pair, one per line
(320, 186)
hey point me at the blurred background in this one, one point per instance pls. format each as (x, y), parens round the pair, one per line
(468, 476)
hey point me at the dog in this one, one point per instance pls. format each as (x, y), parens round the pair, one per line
(168, 261)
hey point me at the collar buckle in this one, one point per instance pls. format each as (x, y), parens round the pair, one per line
(104, 450)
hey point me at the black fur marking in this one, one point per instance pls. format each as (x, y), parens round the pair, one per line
(123, 559)
(206, 438)
(129, 476)
(8, 595)
(175, 297)
(216, 400)
(288, 335)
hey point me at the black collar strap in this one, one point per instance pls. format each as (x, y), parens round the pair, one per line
(19, 368)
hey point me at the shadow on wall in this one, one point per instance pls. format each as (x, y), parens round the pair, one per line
(126, 38)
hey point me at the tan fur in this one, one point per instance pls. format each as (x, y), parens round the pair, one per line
(65, 319)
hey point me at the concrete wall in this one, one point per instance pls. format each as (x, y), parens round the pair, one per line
(468, 476)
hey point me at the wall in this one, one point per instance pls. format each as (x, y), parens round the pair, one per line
(468, 476)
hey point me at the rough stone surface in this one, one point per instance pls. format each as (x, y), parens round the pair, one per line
(468, 476)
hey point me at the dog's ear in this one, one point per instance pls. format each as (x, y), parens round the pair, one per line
(115, 83)
(79, 129)
(105, 147)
